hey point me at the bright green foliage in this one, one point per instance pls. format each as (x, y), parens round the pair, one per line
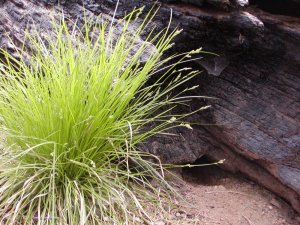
(71, 119)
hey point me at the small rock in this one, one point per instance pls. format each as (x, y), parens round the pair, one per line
(178, 214)
(270, 207)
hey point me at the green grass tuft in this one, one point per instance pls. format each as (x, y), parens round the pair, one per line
(72, 117)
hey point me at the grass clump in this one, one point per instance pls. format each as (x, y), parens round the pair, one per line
(72, 118)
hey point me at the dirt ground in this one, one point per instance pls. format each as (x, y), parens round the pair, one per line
(211, 196)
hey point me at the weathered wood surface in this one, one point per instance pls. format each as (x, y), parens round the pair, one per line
(256, 118)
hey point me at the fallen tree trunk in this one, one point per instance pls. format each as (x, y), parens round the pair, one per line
(255, 120)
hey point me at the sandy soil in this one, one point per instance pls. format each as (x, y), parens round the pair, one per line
(211, 196)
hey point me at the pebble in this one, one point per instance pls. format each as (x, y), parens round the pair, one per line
(178, 214)
(270, 207)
